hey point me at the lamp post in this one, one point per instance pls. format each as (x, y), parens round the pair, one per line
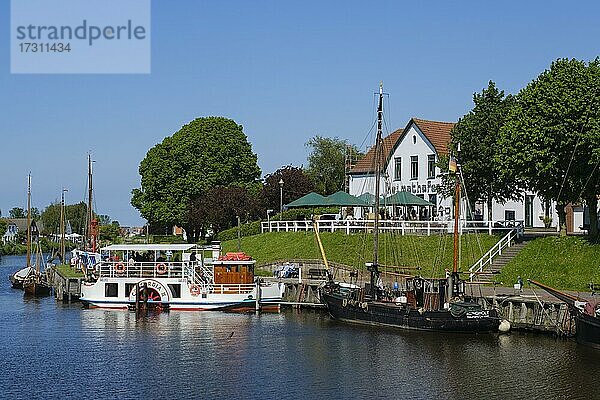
(280, 197)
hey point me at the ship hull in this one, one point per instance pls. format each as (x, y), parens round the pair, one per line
(588, 330)
(219, 298)
(400, 316)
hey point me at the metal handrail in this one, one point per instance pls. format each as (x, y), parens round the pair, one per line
(172, 269)
(496, 250)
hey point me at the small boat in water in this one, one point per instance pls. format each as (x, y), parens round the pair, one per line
(176, 277)
(586, 312)
(30, 279)
(20, 276)
(423, 304)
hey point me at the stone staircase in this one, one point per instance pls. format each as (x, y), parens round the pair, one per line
(500, 261)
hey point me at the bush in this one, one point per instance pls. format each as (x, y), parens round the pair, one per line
(166, 239)
(247, 229)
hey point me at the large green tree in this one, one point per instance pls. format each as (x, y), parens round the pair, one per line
(327, 162)
(219, 207)
(203, 154)
(295, 184)
(477, 133)
(551, 136)
(75, 215)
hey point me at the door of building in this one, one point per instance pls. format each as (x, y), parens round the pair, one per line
(528, 211)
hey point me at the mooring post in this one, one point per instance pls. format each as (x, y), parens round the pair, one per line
(257, 305)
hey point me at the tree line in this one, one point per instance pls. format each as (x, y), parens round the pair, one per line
(546, 139)
(206, 176)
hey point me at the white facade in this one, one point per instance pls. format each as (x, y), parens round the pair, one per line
(411, 167)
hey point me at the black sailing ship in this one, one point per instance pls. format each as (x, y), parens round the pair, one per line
(586, 312)
(425, 304)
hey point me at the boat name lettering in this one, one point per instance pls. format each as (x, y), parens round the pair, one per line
(477, 314)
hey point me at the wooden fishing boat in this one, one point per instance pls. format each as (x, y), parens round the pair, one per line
(424, 304)
(586, 312)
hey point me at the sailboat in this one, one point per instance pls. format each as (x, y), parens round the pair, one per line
(35, 284)
(25, 274)
(425, 304)
(586, 312)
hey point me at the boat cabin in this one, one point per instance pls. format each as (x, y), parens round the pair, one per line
(237, 268)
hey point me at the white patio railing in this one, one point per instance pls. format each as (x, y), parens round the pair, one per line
(402, 227)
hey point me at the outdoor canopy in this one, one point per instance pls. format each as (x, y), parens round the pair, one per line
(406, 199)
(344, 199)
(309, 200)
(337, 199)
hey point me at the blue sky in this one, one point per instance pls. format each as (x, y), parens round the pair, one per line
(284, 70)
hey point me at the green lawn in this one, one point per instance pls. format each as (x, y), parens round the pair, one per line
(562, 262)
(431, 253)
(68, 272)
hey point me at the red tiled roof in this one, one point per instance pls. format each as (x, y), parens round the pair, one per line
(437, 132)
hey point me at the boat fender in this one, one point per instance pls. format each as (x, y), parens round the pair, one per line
(364, 305)
(194, 290)
(161, 269)
(344, 302)
(504, 326)
(119, 268)
(421, 310)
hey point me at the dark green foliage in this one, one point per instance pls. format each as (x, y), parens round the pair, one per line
(3, 226)
(17, 212)
(295, 185)
(326, 163)
(109, 233)
(551, 139)
(206, 153)
(75, 214)
(219, 207)
(247, 229)
(477, 133)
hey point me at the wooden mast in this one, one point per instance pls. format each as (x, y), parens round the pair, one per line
(29, 220)
(456, 222)
(92, 223)
(374, 267)
(62, 226)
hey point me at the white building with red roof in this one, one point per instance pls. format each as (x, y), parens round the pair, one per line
(409, 159)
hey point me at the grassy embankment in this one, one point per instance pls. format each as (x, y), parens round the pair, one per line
(68, 272)
(431, 253)
(562, 262)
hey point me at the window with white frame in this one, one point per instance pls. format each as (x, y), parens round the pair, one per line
(431, 166)
(397, 168)
(414, 167)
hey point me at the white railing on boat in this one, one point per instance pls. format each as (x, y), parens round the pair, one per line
(232, 288)
(487, 259)
(154, 269)
(397, 226)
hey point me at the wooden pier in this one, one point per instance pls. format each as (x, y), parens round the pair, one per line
(66, 289)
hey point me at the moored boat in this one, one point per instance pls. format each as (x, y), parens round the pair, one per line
(177, 277)
(586, 313)
(421, 304)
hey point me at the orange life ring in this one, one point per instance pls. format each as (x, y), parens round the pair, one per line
(119, 268)
(161, 269)
(195, 290)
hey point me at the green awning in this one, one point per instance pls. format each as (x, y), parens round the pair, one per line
(344, 199)
(309, 200)
(405, 199)
(367, 198)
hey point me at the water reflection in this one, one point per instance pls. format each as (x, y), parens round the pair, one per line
(112, 354)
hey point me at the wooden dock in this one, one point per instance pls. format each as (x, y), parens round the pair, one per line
(66, 289)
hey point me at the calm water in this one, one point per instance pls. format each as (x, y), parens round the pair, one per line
(54, 350)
